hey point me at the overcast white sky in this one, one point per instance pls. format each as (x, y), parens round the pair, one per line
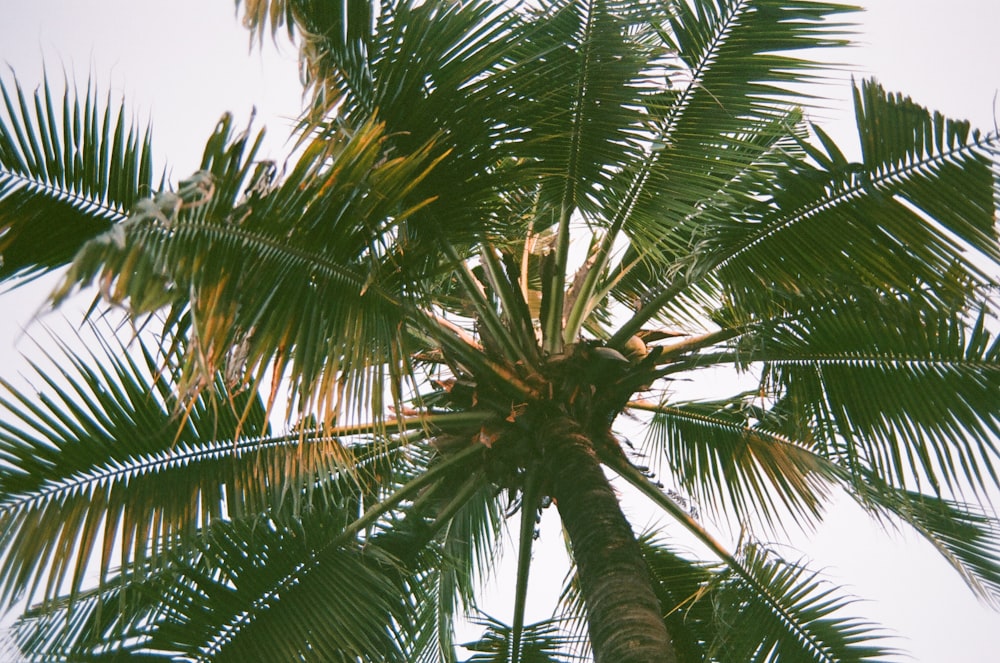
(185, 62)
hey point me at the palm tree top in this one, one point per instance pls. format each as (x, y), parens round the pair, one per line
(507, 235)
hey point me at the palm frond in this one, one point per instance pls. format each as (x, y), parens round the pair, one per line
(734, 86)
(222, 605)
(69, 169)
(658, 269)
(468, 547)
(682, 586)
(966, 535)
(913, 406)
(755, 607)
(799, 619)
(726, 116)
(92, 626)
(344, 604)
(210, 597)
(268, 16)
(240, 625)
(724, 455)
(541, 642)
(322, 251)
(430, 71)
(911, 218)
(78, 460)
(334, 41)
(111, 462)
(789, 615)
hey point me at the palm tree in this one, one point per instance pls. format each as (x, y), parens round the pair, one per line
(507, 235)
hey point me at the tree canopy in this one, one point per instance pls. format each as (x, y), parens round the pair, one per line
(506, 237)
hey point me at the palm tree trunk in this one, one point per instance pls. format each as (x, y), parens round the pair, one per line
(624, 616)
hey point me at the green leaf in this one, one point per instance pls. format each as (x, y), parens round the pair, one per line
(69, 169)
(734, 466)
(917, 406)
(915, 219)
(966, 535)
(797, 620)
(540, 643)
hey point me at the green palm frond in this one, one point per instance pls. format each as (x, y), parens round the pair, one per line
(789, 613)
(736, 83)
(908, 219)
(112, 463)
(219, 593)
(966, 535)
(914, 406)
(255, 616)
(786, 614)
(322, 251)
(755, 608)
(728, 114)
(78, 459)
(92, 626)
(435, 76)
(430, 71)
(541, 642)
(69, 168)
(722, 454)
(582, 113)
(799, 619)
(469, 544)
(220, 604)
(530, 504)
(939, 166)
(682, 586)
(659, 267)
(344, 605)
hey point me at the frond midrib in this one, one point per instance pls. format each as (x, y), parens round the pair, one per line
(681, 413)
(154, 462)
(888, 360)
(78, 201)
(144, 464)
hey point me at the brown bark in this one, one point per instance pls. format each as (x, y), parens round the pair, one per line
(625, 619)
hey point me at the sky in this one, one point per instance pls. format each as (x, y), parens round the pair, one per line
(182, 63)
